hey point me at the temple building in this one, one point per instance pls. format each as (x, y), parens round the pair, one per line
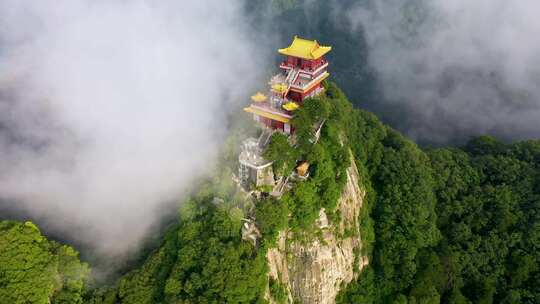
(301, 76)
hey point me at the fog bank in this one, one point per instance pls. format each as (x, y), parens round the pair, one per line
(449, 70)
(110, 109)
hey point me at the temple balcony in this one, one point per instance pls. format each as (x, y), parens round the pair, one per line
(267, 107)
(306, 70)
(303, 84)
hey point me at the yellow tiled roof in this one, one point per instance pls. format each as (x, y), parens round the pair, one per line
(306, 49)
(259, 97)
(290, 106)
(267, 114)
(279, 88)
(302, 169)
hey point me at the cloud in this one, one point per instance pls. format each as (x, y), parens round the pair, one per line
(110, 109)
(453, 69)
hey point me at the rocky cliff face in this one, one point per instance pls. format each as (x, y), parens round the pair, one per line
(314, 272)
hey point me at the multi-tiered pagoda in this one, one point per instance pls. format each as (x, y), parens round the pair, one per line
(301, 76)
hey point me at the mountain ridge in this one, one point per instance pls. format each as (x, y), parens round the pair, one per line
(453, 225)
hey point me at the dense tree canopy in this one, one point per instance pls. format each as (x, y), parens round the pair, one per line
(36, 270)
(450, 225)
(202, 260)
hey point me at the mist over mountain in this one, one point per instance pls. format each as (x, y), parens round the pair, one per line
(107, 104)
(109, 110)
(122, 136)
(441, 72)
(457, 69)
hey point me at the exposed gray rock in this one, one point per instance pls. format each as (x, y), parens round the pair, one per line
(314, 272)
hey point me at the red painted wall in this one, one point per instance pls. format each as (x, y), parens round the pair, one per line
(304, 63)
(295, 96)
(294, 61)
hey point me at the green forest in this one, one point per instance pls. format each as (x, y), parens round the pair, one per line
(446, 225)
(452, 225)
(445, 219)
(36, 270)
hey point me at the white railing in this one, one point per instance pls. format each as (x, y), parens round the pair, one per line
(306, 71)
(291, 76)
(311, 73)
(305, 85)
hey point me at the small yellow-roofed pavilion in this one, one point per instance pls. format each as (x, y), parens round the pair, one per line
(259, 97)
(290, 106)
(302, 169)
(305, 49)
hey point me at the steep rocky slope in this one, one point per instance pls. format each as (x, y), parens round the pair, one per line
(313, 272)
